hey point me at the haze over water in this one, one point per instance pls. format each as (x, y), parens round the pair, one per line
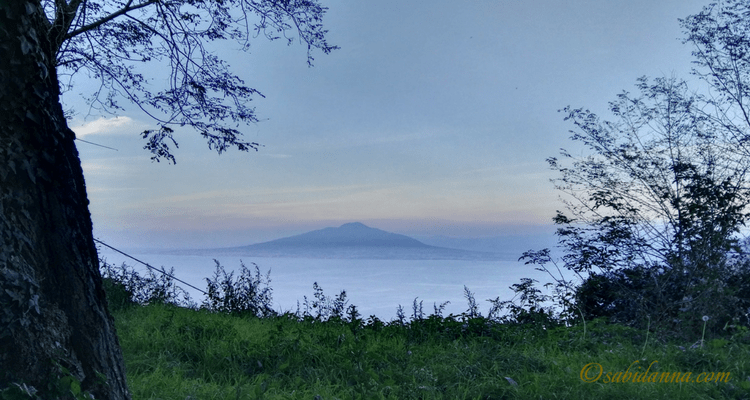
(376, 287)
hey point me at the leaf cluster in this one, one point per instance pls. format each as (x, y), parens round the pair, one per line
(160, 56)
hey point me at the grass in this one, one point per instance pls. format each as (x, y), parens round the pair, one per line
(180, 353)
(233, 347)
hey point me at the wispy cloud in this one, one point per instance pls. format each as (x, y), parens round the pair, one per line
(103, 126)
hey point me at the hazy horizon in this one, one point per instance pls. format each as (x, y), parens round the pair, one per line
(541, 236)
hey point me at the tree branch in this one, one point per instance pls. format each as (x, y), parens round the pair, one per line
(109, 17)
(64, 16)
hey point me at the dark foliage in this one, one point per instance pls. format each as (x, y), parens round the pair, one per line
(125, 287)
(119, 43)
(655, 211)
(249, 294)
(323, 308)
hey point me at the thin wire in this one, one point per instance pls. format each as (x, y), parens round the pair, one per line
(146, 264)
(96, 144)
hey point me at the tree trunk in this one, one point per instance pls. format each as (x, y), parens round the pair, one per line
(54, 322)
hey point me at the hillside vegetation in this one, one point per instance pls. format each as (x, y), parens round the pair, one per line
(327, 351)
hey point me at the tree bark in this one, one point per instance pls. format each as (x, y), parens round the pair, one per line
(54, 321)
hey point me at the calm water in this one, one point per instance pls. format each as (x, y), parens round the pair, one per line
(376, 287)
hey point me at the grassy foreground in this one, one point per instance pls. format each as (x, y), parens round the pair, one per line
(180, 353)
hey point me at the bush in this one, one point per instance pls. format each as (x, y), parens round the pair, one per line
(124, 287)
(248, 294)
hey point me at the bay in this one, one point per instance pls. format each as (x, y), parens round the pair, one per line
(376, 287)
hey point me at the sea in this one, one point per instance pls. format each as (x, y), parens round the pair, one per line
(375, 287)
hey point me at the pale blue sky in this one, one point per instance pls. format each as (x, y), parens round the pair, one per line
(434, 117)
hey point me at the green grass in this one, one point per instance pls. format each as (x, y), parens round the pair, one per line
(179, 353)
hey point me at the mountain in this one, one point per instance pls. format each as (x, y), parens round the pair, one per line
(351, 234)
(353, 240)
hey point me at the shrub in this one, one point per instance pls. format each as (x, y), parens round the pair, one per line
(125, 287)
(248, 294)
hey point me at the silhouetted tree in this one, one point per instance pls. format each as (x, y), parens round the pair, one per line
(655, 207)
(54, 324)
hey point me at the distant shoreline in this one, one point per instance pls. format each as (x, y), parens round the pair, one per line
(349, 252)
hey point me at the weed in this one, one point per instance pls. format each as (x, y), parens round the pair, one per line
(179, 353)
(328, 351)
(125, 287)
(247, 294)
(323, 307)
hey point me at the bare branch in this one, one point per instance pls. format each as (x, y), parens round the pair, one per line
(128, 8)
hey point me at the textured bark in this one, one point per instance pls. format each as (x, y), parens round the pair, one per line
(53, 306)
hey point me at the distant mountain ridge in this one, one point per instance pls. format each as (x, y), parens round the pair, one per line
(352, 240)
(351, 234)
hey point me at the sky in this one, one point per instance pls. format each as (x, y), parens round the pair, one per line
(433, 118)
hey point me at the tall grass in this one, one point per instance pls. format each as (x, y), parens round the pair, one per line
(326, 350)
